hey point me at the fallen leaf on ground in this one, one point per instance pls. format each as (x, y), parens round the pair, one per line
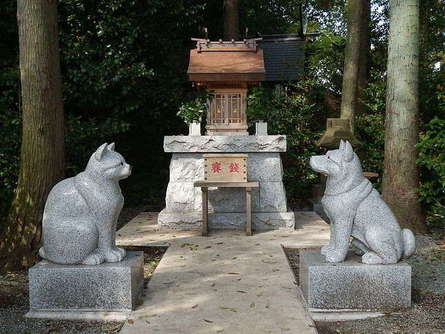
(228, 308)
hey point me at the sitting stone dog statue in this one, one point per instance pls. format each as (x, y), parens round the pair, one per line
(81, 212)
(356, 210)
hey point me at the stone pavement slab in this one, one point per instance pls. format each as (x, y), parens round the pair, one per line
(225, 283)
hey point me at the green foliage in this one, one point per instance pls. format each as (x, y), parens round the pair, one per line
(10, 124)
(115, 85)
(370, 130)
(295, 110)
(123, 65)
(193, 111)
(325, 61)
(85, 135)
(432, 163)
(270, 16)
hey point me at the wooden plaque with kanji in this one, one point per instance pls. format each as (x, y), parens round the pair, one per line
(225, 167)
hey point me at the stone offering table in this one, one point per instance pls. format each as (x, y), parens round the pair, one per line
(226, 205)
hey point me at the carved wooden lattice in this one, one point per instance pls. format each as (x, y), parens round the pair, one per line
(227, 111)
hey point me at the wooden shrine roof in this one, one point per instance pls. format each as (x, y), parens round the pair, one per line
(270, 58)
(226, 64)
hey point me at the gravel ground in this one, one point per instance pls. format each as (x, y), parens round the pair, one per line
(427, 315)
(14, 305)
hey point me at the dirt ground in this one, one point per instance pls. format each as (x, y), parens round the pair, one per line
(427, 314)
(14, 304)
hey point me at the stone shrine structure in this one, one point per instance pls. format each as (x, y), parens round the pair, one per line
(226, 205)
(226, 69)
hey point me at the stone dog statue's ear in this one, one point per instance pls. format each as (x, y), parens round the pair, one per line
(100, 152)
(111, 147)
(348, 152)
(341, 147)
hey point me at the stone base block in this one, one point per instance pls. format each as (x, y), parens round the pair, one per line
(108, 287)
(193, 220)
(352, 285)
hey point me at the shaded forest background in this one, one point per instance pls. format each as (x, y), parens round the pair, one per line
(124, 64)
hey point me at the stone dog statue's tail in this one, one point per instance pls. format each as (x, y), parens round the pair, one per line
(409, 242)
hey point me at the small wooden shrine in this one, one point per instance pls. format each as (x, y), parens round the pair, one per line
(226, 69)
(237, 164)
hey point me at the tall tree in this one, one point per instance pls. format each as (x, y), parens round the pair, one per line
(356, 57)
(401, 175)
(42, 147)
(231, 20)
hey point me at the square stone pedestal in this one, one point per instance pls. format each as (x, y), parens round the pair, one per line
(352, 285)
(108, 290)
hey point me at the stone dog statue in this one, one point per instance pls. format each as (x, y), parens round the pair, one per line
(81, 212)
(356, 210)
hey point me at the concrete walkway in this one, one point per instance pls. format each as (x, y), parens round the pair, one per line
(224, 283)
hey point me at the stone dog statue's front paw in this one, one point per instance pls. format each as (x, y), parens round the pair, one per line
(94, 259)
(326, 249)
(114, 254)
(334, 256)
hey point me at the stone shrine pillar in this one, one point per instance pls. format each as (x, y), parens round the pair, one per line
(226, 205)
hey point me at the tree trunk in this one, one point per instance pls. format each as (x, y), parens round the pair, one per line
(42, 147)
(231, 20)
(356, 54)
(401, 175)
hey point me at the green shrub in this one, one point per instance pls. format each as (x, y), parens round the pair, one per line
(10, 125)
(370, 130)
(294, 110)
(195, 110)
(432, 162)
